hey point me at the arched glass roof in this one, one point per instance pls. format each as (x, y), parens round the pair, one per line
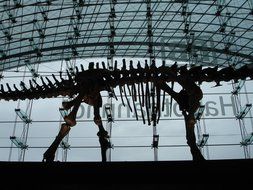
(207, 32)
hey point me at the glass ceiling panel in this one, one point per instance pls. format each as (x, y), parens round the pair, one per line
(55, 30)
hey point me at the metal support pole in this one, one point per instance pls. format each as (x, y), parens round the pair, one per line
(109, 115)
(25, 116)
(24, 134)
(153, 110)
(202, 136)
(241, 112)
(110, 61)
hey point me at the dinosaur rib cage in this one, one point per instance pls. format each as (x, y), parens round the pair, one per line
(95, 80)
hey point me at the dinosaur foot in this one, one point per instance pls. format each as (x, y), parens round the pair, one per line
(48, 157)
(197, 156)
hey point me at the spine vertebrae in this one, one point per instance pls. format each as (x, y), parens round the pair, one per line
(105, 79)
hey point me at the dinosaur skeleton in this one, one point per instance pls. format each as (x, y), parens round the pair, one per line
(147, 84)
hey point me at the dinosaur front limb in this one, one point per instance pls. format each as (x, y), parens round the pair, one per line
(50, 153)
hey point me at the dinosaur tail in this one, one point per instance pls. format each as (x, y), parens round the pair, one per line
(44, 88)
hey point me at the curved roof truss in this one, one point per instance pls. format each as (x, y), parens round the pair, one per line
(207, 32)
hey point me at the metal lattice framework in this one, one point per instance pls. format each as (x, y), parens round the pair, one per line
(206, 32)
(197, 32)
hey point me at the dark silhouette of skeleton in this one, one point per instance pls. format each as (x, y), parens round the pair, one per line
(152, 82)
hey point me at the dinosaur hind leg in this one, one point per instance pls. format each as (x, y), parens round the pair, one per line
(191, 138)
(49, 155)
(102, 133)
